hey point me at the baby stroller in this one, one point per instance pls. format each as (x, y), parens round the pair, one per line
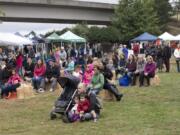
(64, 103)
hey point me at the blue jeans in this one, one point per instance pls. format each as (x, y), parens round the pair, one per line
(38, 82)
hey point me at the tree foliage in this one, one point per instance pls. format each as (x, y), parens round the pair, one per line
(163, 8)
(133, 17)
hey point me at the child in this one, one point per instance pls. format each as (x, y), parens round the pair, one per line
(11, 86)
(88, 74)
(73, 114)
(78, 72)
(83, 106)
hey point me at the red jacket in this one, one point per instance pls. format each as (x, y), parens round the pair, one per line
(83, 106)
(19, 61)
(39, 71)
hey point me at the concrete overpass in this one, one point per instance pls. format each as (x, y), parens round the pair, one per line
(56, 11)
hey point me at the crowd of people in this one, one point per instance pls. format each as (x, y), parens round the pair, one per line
(96, 70)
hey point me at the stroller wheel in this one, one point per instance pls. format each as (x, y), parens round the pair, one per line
(53, 115)
(65, 119)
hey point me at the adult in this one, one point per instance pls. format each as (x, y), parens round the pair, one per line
(150, 50)
(131, 65)
(109, 84)
(28, 69)
(38, 79)
(63, 56)
(52, 74)
(95, 106)
(31, 52)
(166, 57)
(71, 65)
(97, 81)
(125, 51)
(19, 63)
(177, 56)
(139, 69)
(149, 71)
(159, 57)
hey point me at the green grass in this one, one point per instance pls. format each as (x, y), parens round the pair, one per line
(143, 111)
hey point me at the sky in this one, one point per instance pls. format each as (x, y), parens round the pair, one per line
(40, 28)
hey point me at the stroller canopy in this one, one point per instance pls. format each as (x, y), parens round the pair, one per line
(69, 81)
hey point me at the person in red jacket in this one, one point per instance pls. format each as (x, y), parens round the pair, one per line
(38, 80)
(83, 105)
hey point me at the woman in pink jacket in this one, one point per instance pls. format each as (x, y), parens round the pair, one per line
(38, 80)
(88, 74)
(9, 89)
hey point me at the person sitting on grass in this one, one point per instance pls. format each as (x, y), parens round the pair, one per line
(83, 106)
(149, 71)
(94, 108)
(38, 79)
(52, 74)
(9, 89)
(73, 114)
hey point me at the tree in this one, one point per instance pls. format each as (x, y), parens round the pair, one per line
(163, 8)
(94, 34)
(81, 30)
(133, 17)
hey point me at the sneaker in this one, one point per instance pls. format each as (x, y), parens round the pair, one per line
(41, 90)
(51, 90)
(95, 120)
(119, 97)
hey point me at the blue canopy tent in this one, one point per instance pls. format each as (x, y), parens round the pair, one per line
(145, 37)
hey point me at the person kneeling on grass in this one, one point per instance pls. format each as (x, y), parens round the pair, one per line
(9, 89)
(52, 74)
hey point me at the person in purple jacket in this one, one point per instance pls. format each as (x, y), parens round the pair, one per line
(149, 71)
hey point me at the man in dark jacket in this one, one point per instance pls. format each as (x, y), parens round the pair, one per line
(52, 74)
(108, 85)
(166, 57)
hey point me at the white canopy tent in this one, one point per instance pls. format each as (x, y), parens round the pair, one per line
(8, 39)
(178, 37)
(167, 37)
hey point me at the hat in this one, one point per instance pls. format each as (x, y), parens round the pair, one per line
(50, 60)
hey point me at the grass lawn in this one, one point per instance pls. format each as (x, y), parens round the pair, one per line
(143, 111)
